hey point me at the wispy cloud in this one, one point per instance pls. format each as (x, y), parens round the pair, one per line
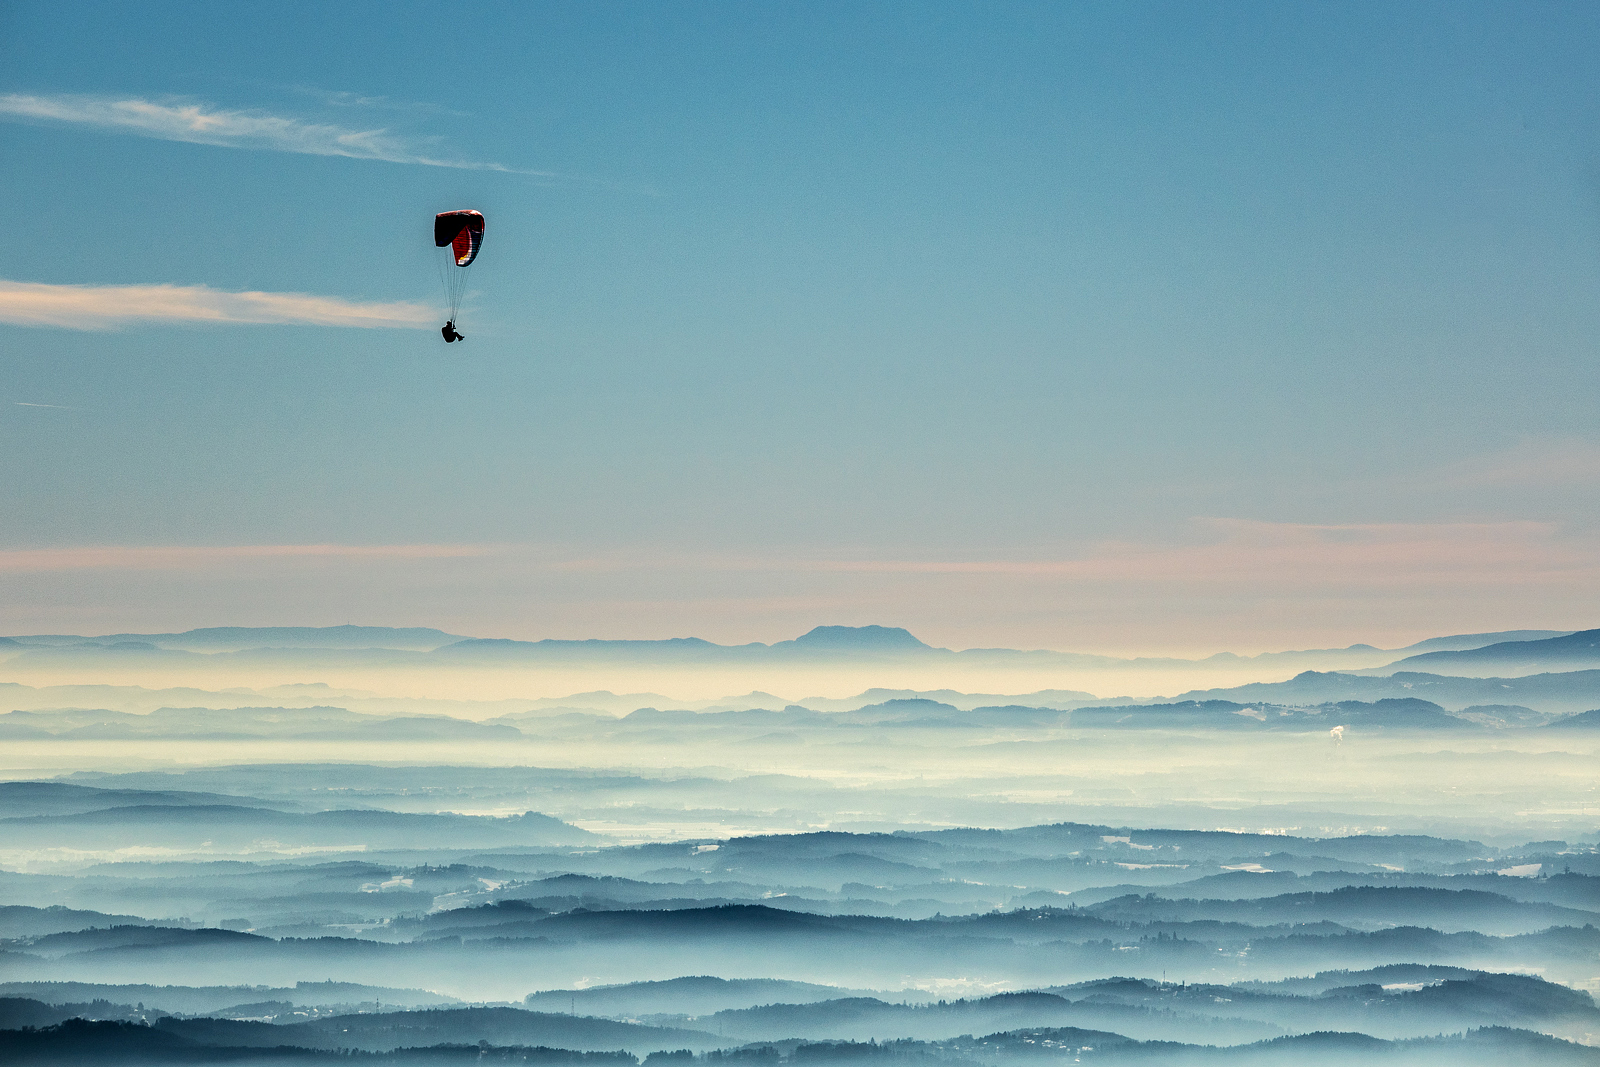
(1234, 554)
(1239, 553)
(1226, 555)
(1535, 462)
(103, 307)
(199, 123)
(27, 404)
(344, 98)
(188, 557)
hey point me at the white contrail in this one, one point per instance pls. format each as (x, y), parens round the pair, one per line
(204, 124)
(104, 307)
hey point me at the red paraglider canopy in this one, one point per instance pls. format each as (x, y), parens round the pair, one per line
(462, 231)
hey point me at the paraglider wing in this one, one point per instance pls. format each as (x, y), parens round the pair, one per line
(462, 231)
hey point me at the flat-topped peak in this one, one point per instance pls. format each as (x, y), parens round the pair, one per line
(859, 637)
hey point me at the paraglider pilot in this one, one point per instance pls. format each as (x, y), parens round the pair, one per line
(462, 233)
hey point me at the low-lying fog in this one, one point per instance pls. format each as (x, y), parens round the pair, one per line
(895, 867)
(666, 786)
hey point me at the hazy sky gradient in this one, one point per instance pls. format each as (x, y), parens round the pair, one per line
(1104, 294)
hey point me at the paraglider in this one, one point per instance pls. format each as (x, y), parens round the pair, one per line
(462, 233)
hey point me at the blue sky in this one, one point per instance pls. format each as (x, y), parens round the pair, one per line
(1157, 326)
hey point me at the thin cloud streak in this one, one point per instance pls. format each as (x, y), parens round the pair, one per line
(202, 124)
(186, 557)
(1534, 462)
(1309, 556)
(105, 307)
(1242, 556)
(27, 404)
(1239, 554)
(347, 99)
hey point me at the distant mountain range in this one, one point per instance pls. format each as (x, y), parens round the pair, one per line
(1310, 701)
(51, 815)
(1343, 866)
(236, 638)
(1299, 705)
(1567, 652)
(690, 996)
(213, 724)
(1563, 693)
(384, 646)
(207, 1041)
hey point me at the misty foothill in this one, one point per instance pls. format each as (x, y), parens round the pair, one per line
(1329, 854)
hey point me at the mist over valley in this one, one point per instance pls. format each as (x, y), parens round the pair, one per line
(922, 872)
